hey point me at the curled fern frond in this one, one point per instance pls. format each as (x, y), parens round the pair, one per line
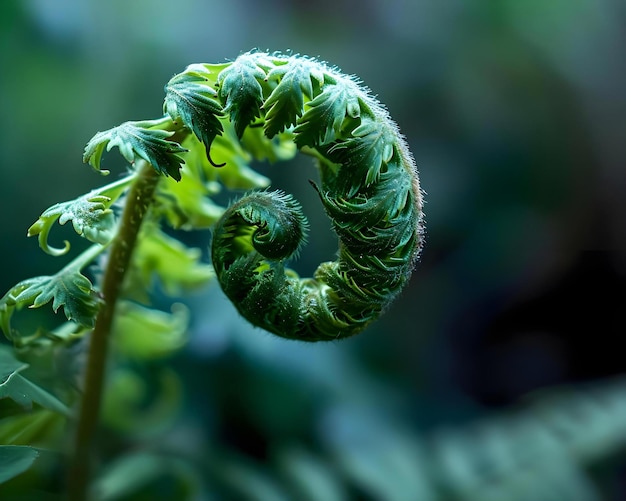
(369, 188)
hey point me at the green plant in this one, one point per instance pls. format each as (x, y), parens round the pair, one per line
(218, 118)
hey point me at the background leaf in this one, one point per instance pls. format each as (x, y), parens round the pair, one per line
(15, 459)
(236, 172)
(149, 469)
(145, 333)
(40, 426)
(161, 258)
(24, 392)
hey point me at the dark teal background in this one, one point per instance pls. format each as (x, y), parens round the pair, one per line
(516, 114)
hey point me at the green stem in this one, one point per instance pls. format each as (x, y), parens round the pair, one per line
(136, 205)
(85, 258)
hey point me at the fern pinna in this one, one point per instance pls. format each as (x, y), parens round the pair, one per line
(369, 188)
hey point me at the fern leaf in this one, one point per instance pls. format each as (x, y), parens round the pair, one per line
(91, 216)
(138, 140)
(20, 389)
(325, 116)
(371, 145)
(242, 92)
(192, 101)
(284, 105)
(68, 288)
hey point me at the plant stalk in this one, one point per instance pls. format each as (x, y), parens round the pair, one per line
(136, 206)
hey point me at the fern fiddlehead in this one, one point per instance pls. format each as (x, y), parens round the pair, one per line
(218, 117)
(270, 106)
(369, 188)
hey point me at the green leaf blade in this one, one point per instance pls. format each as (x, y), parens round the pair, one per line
(370, 147)
(37, 426)
(145, 334)
(137, 140)
(163, 258)
(192, 101)
(91, 218)
(21, 390)
(241, 91)
(286, 102)
(25, 393)
(323, 119)
(15, 459)
(68, 289)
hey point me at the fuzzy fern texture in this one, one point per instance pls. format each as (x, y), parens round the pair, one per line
(369, 188)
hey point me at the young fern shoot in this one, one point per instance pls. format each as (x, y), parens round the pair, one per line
(267, 103)
(217, 119)
(369, 188)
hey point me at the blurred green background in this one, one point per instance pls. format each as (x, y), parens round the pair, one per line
(516, 114)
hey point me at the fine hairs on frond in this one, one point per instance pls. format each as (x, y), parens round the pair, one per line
(369, 188)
